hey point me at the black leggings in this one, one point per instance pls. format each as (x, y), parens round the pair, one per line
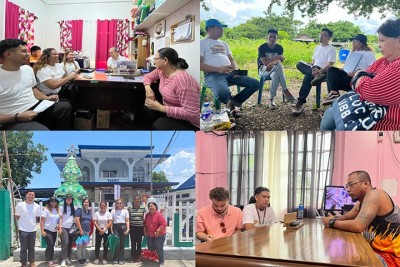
(99, 237)
(338, 79)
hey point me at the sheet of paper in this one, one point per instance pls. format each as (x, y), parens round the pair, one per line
(45, 104)
(352, 61)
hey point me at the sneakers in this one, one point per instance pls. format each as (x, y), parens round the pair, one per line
(82, 262)
(272, 105)
(318, 79)
(104, 261)
(52, 263)
(115, 262)
(68, 261)
(298, 109)
(330, 98)
(96, 261)
(63, 264)
(121, 262)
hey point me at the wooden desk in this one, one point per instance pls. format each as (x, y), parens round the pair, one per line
(311, 245)
(109, 93)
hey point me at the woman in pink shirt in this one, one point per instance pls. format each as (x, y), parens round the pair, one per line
(155, 230)
(180, 108)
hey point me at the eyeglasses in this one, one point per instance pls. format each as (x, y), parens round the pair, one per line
(350, 184)
(222, 224)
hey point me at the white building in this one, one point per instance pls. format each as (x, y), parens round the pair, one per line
(105, 166)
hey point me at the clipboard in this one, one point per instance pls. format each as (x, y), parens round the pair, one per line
(352, 61)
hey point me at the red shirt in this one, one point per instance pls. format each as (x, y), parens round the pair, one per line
(155, 221)
(181, 95)
(383, 89)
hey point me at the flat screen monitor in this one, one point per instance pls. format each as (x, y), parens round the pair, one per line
(337, 199)
(126, 65)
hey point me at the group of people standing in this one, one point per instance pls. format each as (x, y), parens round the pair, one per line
(76, 225)
(218, 65)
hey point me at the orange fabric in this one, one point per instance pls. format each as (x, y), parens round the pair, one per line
(389, 258)
(208, 221)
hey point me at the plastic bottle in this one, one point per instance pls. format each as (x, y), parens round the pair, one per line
(300, 211)
(206, 116)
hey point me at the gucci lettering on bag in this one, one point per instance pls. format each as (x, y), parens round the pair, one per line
(357, 114)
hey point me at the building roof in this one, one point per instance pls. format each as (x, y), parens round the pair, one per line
(188, 184)
(304, 38)
(116, 147)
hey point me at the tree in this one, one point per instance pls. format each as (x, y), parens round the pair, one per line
(25, 156)
(342, 30)
(356, 7)
(257, 27)
(160, 177)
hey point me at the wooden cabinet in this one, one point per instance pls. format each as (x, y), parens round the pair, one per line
(141, 51)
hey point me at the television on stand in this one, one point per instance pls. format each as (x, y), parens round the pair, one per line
(336, 198)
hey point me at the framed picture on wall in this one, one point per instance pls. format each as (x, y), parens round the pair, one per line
(183, 31)
(159, 29)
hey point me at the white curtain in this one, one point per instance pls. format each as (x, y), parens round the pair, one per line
(275, 170)
(89, 40)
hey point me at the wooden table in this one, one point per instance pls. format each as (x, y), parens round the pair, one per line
(311, 245)
(109, 93)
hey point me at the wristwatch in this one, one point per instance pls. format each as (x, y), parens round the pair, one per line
(332, 222)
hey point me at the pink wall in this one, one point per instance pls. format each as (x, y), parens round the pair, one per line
(361, 151)
(211, 165)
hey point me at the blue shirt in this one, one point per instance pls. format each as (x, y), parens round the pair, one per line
(85, 218)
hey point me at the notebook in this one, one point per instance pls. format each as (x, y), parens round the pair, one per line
(352, 62)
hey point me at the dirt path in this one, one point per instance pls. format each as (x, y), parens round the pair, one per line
(260, 117)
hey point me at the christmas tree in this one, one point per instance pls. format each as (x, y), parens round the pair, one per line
(71, 174)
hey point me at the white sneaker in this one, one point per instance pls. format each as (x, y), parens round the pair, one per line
(68, 261)
(104, 261)
(63, 264)
(96, 261)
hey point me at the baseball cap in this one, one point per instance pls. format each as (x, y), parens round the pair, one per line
(360, 37)
(214, 22)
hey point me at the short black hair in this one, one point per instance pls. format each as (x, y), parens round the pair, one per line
(330, 33)
(35, 48)
(362, 175)
(8, 44)
(260, 189)
(390, 28)
(272, 31)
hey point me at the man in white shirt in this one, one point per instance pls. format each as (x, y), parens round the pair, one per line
(323, 58)
(19, 94)
(218, 65)
(259, 213)
(27, 214)
(114, 58)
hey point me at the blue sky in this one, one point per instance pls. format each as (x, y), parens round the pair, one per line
(235, 12)
(179, 167)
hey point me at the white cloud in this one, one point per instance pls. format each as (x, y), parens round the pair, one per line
(179, 167)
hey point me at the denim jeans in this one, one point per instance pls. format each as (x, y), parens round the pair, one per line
(277, 78)
(219, 84)
(332, 119)
(27, 240)
(157, 244)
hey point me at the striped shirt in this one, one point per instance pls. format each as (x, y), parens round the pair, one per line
(181, 95)
(383, 89)
(136, 216)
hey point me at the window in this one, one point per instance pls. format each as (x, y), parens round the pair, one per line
(310, 160)
(109, 174)
(85, 174)
(134, 174)
(185, 195)
(140, 174)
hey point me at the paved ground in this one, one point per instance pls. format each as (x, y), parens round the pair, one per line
(174, 257)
